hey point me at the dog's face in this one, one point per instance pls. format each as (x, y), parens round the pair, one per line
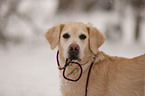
(75, 39)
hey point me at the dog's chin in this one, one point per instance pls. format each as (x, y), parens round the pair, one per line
(74, 59)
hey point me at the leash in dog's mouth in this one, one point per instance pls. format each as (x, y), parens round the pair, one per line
(67, 63)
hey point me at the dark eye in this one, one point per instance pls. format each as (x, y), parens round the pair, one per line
(66, 36)
(82, 37)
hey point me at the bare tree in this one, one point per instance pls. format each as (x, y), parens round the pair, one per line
(84, 5)
(7, 13)
(76, 5)
(138, 6)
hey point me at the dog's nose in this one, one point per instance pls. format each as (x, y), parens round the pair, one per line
(73, 51)
(74, 48)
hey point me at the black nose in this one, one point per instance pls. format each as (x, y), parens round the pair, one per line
(73, 51)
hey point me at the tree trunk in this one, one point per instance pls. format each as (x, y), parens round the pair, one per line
(138, 7)
(138, 23)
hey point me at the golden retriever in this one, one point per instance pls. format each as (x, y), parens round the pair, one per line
(110, 76)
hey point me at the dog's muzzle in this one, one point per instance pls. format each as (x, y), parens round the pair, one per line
(73, 52)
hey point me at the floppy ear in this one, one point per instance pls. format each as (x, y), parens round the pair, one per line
(96, 39)
(53, 35)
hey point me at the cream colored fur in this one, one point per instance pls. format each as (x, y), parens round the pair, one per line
(110, 76)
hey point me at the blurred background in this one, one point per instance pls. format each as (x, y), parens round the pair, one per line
(28, 66)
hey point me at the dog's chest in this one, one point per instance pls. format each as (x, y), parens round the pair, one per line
(95, 87)
(113, 82)
(69, 88)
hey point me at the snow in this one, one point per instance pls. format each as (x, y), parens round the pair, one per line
(30, 69)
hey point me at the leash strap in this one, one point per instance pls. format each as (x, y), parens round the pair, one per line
(74, 80)
(88, 76)
(65, 66)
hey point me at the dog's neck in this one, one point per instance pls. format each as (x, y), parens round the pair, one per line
(95, 58)
(73, 71)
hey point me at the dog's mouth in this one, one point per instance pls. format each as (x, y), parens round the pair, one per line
(73, 69)
(73, 53)
(74, 56)
(70, 67)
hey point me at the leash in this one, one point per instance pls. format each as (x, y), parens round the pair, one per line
(88, 77)
(65, 66)
(74, 80)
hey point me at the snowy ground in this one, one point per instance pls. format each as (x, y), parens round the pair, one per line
(28, 71)
(31, 70)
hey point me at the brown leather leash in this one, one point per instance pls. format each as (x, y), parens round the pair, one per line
(74, 80)
(88, 76)
(67, 62)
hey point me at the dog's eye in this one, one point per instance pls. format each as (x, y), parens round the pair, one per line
(82, 37)
(66, 36)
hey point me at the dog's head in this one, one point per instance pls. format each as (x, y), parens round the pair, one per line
(75, 39)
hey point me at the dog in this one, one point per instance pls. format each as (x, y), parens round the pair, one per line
(109, 76)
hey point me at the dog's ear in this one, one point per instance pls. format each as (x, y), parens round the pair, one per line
(53, 35)
(96, 39)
